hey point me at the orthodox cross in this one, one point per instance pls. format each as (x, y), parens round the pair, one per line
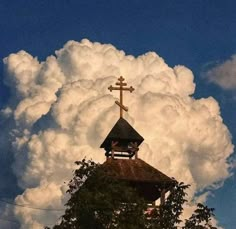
(121, 88)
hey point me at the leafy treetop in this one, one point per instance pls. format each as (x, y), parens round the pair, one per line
(98, 201)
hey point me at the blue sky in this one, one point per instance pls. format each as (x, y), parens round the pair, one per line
(190, 33)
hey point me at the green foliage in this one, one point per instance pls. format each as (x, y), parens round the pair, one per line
(104, 202)
(100, 201)
(200, 219)
(168, 215)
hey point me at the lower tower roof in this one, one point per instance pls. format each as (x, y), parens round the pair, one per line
(148, 181)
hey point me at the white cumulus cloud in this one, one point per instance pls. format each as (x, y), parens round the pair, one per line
(223, 74)
(61, 111)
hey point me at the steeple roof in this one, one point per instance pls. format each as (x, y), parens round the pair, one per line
(122, 132)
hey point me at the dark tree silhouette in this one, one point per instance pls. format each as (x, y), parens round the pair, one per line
(98, 201)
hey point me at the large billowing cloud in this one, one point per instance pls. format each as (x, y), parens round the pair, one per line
(223, 74)
(61, 111)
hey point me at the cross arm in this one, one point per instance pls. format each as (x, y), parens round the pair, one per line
(111, 88)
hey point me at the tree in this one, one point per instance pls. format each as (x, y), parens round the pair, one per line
(98, 201)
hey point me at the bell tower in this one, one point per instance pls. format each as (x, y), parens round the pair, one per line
(122, 143)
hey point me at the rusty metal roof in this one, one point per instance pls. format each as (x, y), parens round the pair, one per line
(136, 170)
(122, 132)
(146, 179)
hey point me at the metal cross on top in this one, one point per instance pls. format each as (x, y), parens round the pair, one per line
(121, 88)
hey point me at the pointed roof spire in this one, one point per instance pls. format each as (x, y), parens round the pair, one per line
(123, 133)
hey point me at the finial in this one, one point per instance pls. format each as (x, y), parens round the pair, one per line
(121, 88)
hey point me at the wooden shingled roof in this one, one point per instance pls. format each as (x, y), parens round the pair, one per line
(148, 180)
(122, 132)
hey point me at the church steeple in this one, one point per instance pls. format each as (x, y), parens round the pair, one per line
(123, 141)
